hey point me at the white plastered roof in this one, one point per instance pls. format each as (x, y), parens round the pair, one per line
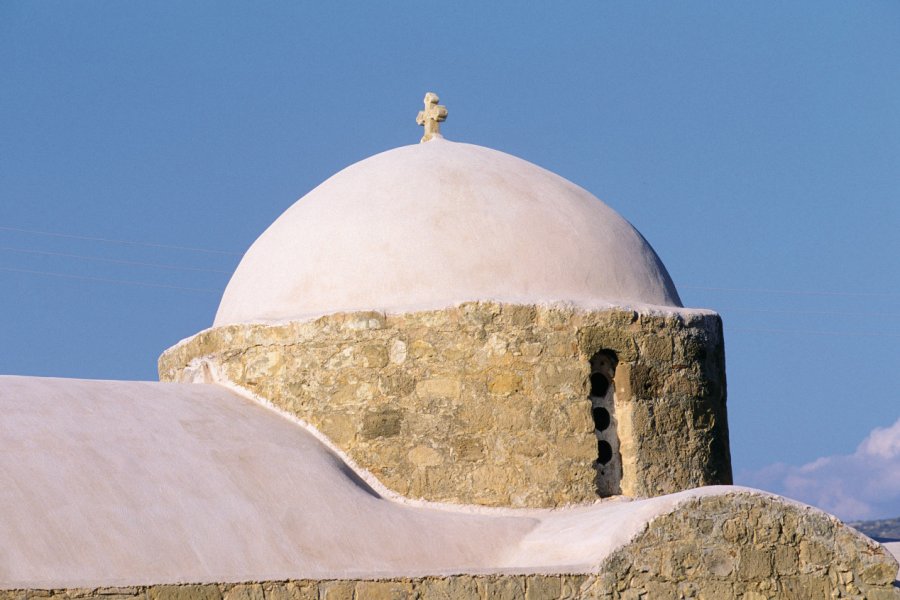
(439, 223)
(106, 483)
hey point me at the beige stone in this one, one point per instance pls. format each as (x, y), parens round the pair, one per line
(423, 456)
(501, 588)
(497, 393)
(432, 116)
(244, 592)
(755, 564)
(291, 590)
(504, 384)
(384, 590)
(879, 574)
(184, 592)
(540, 587)
(786, 559)
(659, 562)
(397, 353)
(385, 422)
(438, 388)
(336, 590)
(448, 588)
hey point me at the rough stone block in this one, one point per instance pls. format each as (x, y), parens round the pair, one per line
(539, 587)
(384, 590)
(252, 591)
(447, 588)
(336, 590)
(501, 588)
(786, 560)
(184, 592)
(382, 423)
(291, 590)
(504, 384)
(430, 389)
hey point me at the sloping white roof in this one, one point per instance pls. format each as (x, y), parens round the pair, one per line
(123, 483)
(435, 224)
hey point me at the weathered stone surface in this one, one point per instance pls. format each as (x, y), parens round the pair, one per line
(244, 592)
(749, 546)
(539, 587)
(660, 564)
(290, 590)
(487, 403)
(500, 588)
(385, 590)
(336, 590)
(185, 592)
(447, 588)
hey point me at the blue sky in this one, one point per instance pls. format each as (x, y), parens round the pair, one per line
(756, 145)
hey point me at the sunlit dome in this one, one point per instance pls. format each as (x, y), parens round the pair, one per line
(435, 224)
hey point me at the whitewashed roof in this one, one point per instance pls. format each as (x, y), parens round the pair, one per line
(438, 223)
(108, 483)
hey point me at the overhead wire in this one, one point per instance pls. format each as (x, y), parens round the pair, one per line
(807, 312)
(141, 283)
(112, 260)
(809, 332)
(112, 281)
(117, 241)
(231, 253)
(790, 292)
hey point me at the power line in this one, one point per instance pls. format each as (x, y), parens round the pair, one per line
(229, 253)
(806, 332)
(112, 281)
(791, 292)
(212, 291)
(111, 260)
(809, 312)
(115, 241)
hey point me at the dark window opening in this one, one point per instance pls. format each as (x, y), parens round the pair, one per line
(601, 418)
(599, 385)
(602, 387)
(604, 452)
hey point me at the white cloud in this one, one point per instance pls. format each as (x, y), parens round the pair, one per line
(862, 485)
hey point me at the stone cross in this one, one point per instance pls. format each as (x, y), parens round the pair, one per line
(432, 116)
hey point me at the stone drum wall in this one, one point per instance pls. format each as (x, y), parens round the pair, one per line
(490, 403)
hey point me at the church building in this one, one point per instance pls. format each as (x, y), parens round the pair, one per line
(445, 372)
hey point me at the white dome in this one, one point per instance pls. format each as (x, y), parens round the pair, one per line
(435, 224)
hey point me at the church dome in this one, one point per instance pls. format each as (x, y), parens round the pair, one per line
(435, 224)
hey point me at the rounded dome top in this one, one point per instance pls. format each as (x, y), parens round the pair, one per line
(435, 224)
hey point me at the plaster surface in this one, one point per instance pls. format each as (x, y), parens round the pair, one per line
(894, 549)
(128, 483)
(431, 225)
(106, 484)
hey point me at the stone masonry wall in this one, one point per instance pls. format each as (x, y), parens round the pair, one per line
(750, 547)
(487, 403)
(738, 545)
(458, 587)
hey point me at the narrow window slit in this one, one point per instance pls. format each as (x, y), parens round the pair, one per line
(608, 464)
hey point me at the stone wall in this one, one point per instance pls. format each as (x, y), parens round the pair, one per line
(739, 545)
(746, 546)
(487, 403)
(458, 587)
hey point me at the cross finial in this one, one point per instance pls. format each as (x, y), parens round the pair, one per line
(432, 116)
